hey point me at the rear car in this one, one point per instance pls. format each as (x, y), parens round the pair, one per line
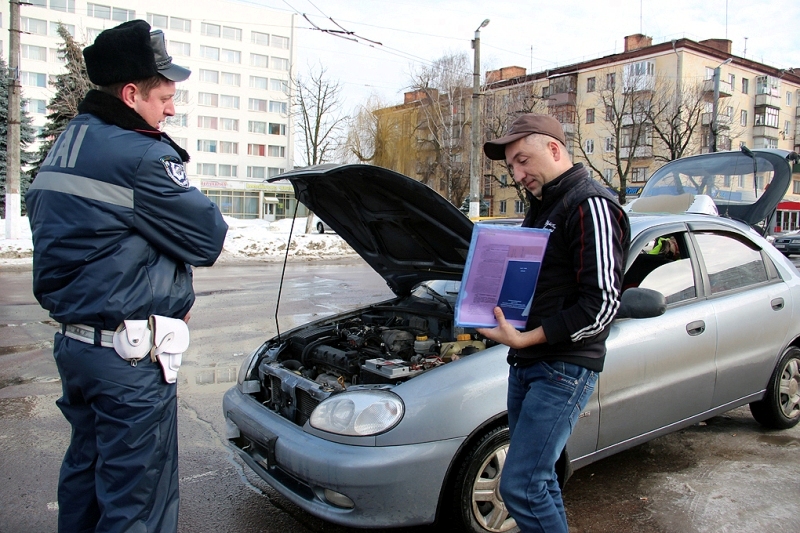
(390, 415)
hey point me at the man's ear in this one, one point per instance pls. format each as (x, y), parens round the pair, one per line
(128, 94)
(555, 150)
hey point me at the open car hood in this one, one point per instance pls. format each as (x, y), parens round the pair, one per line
(405, 230)
(746, 185)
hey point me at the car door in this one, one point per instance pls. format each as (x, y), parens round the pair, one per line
(660, 370)
(753, 307)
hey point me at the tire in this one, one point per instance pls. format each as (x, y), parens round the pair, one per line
(320, 228)
(475, 503)
(780, 408)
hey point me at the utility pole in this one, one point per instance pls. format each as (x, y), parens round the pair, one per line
(12, 143)
(475, 155)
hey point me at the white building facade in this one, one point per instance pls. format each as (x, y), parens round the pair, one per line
(232, 114)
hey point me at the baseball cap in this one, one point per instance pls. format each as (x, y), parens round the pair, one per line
(522, 127)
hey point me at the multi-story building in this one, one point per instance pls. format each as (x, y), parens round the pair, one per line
(232, 114)
(628, 113)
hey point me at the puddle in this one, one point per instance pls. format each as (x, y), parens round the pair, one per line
(779, 440)
(210, 375)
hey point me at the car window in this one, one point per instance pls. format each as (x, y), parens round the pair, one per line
(731, 263)
(663, 265)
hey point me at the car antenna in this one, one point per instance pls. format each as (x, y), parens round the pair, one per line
(283, 271)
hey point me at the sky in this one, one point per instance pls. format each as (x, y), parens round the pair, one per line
(532, 34)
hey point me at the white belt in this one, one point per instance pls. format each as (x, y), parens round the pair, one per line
(89, 335)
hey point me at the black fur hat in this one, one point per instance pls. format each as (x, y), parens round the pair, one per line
(130, 52)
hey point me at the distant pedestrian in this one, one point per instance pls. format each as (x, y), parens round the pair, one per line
(115, 228)
(555, 361)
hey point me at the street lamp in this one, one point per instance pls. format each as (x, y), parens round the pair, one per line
(715, 109)
(474, 163)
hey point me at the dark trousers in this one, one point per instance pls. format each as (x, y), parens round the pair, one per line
(120, 472)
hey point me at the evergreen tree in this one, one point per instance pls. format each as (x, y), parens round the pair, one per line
(71, 86)
(26, 138)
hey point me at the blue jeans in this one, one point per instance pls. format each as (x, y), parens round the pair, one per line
(544, 402)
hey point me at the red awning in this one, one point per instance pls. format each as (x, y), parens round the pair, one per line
(789, 206)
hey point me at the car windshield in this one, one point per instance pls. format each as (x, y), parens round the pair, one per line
(732, 178)
(438, 289)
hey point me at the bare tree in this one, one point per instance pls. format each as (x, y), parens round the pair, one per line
(442, 130)
(621, 106)
(318, 109)
(675, 114)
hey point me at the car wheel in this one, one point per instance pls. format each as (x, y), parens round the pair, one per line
(780, 408)
(320, 228)
(477, 504)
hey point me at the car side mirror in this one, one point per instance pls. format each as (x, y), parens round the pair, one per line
(637, 302)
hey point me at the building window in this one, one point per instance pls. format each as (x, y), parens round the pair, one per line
(280, 42)
(207, 99)
(256, 104)
(638, 174)
(231, 78)
(181, 96)
(177, 48)
(179, 24)
(229, 102)
(67, 6)
(743, 118)
(92, 34)
(34, 26)
(180, 120)
(234, 34)
(228, 147)
(206, 169)
(35, 106)
(205, 145)
(611, 80)
(788, 98)
(210, 30)
(229, 124)
(609, 144)
(38, 3)
(231, 56)
(277, 151)
(787, 124)
(745, 86)
(259, 60)
(608, 175)
(278, 107)
(257, 82)
(502, 207)
(122, 15)
(54, 28)
(609, 113)
(590, 83)
(98, 11)
(588, 146)
(209, 76)
(279, 85)
(227, 171)
(256, 37)
(795, 186)
(257, 149)
(158, 21)
(209, 52)
(732, 81)
(768, 118)
(590, 116)
(519, 207)
(280, 63)
(208, 123)
(55, 56)
(33, 79)
(259, 173)
(254, 126)
(274, 171)
(36, 53)
(180, 141)
(277, 129)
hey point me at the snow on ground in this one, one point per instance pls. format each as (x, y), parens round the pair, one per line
(246, 239)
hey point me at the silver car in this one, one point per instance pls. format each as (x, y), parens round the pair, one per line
(390, 415)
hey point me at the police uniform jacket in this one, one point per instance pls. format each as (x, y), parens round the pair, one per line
(579, 285)
(115, 223)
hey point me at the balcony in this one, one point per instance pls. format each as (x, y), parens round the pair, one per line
(723, 121)
(629, 119)
(641, 152)
(765, 131)
(768, 100)
(569, 128)
(559, 99)
(724, 87)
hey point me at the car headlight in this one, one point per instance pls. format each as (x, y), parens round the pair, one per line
(359, 413)
(245, 380)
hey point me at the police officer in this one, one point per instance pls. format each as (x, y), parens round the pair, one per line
(116, 228)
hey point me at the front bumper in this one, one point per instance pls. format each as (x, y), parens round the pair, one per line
(390, 486)
(788, 247)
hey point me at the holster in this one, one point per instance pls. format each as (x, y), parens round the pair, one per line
(170, 340)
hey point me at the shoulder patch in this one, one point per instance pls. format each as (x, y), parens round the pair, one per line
(175, 170)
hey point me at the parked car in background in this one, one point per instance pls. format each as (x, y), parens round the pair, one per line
(389, 415)
(787, 243)
(318, 224)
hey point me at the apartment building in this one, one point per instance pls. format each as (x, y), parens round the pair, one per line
(607, 107)
(232, 114)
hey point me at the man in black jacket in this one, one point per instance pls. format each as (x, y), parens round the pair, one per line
(116, 229)
(554, 362)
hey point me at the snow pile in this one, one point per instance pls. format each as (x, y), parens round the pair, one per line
(246, 239)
